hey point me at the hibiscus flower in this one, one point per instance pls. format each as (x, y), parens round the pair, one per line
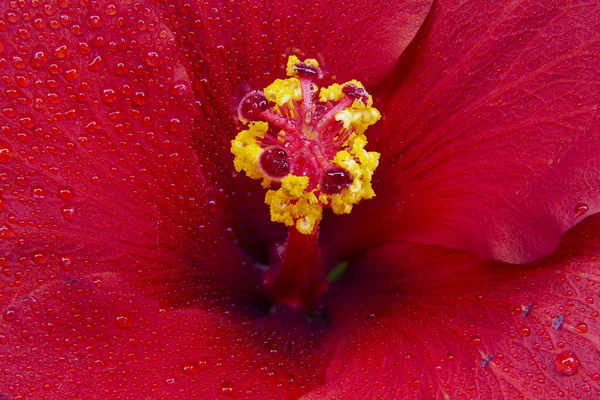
(134, 256)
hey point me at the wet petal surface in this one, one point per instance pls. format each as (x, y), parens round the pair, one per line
(431, 323)
(494, 127)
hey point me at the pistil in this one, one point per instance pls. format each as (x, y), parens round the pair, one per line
(297, 275)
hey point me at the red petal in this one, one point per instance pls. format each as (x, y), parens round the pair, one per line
(98, 166)
(232, 43)
(494, 128)
(96, 336)
(422, 322)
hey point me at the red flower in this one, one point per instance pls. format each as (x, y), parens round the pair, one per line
(128, 246)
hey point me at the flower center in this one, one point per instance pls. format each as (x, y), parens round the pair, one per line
(307, 145)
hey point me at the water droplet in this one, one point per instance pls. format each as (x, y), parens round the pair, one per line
(476, 341)
(68, 213)
(38, 59)
(37, 192)
(525, 331)
(153, 59)
(5, 152)
(66, 263)
(190, 369)
(336, 180)
(139, 98)
(6, 232)
(92, 127)
(170, 381)
(110, 9)
(109, 95)
(39, 258)
(178, 88)
(61, 51)
(95, 21)
(10, 314)
(227, 388)
(66, 194)
(72, 74)
(581, 209)
(96, 63)
(567, 363)
(581, 327)
(123, 321)
(275, 162)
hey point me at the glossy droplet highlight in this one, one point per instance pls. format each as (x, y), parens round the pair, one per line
(39, 258)
(567, 363)
(65, 263)
(581, 209)
(123, 321)
(68, 213)
(336, 180)
(10, 314)
(5, 152)
(226, 388)
(581, 327)
(190, 369)
(275, 162)
(66, 194)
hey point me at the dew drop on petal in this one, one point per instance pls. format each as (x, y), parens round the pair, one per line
(109, 95)
(581, 209)
(525, 331)
(37, 192)
(10, 314)
(123, 321)
(66, 194)
(567, 363)
(65, 263)
(5, 152)
(581, 327)
(68, 213)
(203, 364)
(61, 51)
(39, 258)
(226, 388)
(6, 232)
(96, 63)
(190, 369)
(170, 381)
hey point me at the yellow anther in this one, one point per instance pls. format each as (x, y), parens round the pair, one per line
(294, 61)
(362, 172)
(292, 205)
(247, 151)
(283, 90)
(358, 118)
(331, 93)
